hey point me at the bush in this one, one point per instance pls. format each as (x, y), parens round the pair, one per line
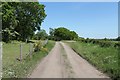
(99, 42)
(37, 46)
(104, 44)
(117, 45)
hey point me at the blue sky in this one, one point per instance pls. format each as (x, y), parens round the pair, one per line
(88, 19)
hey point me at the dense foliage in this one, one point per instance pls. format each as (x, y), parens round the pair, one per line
(62, 33)
(102, 42)
(40, 35)
(118, 39)
(21, 19)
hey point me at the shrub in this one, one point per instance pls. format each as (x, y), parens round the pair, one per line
(91, 40)
(104, 44)
(37, 46)
(44, 49)
(117, 45)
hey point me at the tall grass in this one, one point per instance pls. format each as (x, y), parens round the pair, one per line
(13, 68)
(104, 58)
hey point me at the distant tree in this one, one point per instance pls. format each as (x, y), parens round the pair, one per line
(41, 35)
(118, 39)
(51, 33)
(105, 39)
(74, 35)
(62, 33)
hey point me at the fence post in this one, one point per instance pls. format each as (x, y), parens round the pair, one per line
(0, 60)
(20, 51)
(30, 50)
(45, 42)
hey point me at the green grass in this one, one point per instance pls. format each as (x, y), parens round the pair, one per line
(14, 68)
(105, 59)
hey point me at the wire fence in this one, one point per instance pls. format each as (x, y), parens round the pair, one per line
(29, 52)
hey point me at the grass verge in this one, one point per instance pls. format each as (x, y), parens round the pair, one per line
(13, 68)
(105, 59)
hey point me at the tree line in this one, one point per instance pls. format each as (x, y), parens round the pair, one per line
(62, 33)
(21, 19)
(57, 34)
(103, 42)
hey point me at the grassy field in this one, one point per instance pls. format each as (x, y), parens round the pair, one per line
(15, 68)
(104, 58)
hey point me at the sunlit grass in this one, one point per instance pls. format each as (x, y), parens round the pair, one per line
(104, 58)
(14, 68)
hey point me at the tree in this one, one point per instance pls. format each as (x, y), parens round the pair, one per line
(51, 32)
(9, 22)
(74, 35)
(118, 39)
(64, 34)
(41, 35)
(24, 18)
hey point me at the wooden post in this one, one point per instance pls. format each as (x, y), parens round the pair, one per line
(20, 51)
(30, 50)
(0, 60)
(45, 42)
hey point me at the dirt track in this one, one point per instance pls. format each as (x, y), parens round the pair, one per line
(63, 62)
